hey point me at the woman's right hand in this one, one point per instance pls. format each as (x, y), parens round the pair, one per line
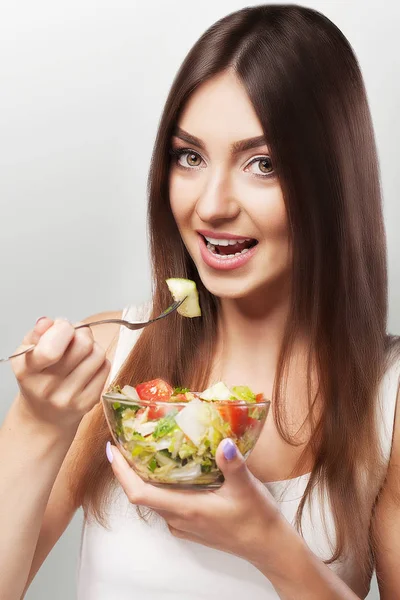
(63, 377)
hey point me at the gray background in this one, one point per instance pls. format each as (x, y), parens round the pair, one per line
(82, 88)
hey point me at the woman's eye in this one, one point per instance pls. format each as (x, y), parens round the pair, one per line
(192, 159)
(187, 158)
(261, 166)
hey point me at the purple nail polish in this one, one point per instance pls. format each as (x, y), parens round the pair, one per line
(39, 319)
(109, 452)
(229, 449)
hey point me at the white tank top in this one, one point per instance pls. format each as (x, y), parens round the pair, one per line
(134, 559)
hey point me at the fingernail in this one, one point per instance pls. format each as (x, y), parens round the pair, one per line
(109, 452)
(39, 319)
(229, 449)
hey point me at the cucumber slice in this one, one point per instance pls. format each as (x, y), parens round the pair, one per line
(218, 391)
(130, 392)
(180, 288)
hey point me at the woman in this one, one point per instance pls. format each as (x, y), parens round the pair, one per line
(265, 138)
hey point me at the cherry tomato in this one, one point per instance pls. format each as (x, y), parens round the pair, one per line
(157, 411)
(237, 416)
(157, 389)
(253, 423)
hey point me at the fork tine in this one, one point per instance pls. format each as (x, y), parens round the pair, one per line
(171, 308)
(167, 311)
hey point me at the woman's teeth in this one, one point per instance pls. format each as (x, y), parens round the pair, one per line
(215, 242)
(211, 248)
(219, 247)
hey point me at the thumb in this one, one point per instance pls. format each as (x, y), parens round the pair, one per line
(232, 464)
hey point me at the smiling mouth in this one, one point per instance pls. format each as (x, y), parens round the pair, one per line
(229, 248)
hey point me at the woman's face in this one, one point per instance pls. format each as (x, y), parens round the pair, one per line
(225, 197)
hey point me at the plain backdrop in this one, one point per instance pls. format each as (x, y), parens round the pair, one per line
(82, 86)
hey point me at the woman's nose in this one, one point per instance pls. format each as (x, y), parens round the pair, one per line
(217, 201)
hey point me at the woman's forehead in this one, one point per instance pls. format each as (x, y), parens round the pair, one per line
(220, 111)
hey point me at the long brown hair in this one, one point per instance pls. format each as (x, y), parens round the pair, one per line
(305, 84)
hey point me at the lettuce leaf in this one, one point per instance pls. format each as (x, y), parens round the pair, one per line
(242, 392)
(165, 425)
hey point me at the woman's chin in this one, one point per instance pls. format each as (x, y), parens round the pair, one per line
(232, 290)
(248, 285)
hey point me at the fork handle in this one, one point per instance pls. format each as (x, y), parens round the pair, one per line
(118, 321)
(19, 353)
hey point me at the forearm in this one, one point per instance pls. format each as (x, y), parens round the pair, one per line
(295, 572)
(31, 456)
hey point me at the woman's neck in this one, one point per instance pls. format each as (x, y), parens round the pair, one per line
(250, 334)
(249, 341)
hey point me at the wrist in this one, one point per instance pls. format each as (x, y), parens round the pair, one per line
(21, 419)
(279, 547)
(295, 571)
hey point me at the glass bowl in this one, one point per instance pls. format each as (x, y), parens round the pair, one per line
(173, 444)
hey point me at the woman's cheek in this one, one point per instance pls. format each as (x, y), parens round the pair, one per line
(182, 198)
(278, 230)
(266, 208)
(269, 213)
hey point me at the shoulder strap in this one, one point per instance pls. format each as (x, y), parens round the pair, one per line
(387, 405)
(126, 337)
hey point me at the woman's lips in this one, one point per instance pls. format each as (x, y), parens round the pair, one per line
(221, 235)
(218, 261)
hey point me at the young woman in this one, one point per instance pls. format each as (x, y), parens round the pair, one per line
(265, 138)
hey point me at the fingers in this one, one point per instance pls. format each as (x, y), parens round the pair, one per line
(51, 346)
(41, 326)
(185, 535)
(178, 533)
(95, 387)
(63, 377)
(80, 347)
(59, 348)
(34, 335)
(85, 371)
(145, 494)
(40, 335)
(184, 529)
(179, 527)
(232, 464)
(32, 338)
(91, 394)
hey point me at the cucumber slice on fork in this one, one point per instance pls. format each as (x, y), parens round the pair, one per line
(185, 288)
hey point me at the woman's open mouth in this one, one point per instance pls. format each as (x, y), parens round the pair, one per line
(229, 248)
(226, 253)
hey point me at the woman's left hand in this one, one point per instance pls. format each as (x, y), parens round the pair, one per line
(236, 518)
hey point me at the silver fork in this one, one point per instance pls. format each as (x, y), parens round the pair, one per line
(131, 326)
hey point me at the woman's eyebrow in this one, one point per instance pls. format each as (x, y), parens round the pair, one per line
(236, 147)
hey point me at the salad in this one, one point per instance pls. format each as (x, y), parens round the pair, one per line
(170, 435)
